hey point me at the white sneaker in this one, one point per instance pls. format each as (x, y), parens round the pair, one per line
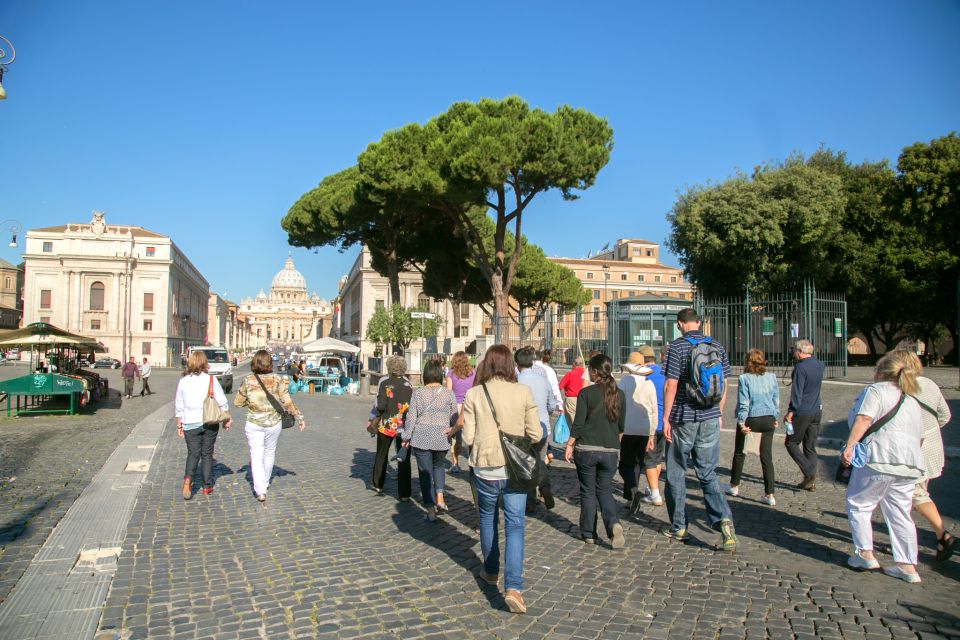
(858, 562)
(895, 571)
(770, 500)
(654, 499)
(733, 490)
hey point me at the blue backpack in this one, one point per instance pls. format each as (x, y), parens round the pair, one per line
(705, 372)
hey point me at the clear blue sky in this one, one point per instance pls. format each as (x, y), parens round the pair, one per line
(207, 120)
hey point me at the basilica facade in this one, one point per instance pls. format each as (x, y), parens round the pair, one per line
(288, 315)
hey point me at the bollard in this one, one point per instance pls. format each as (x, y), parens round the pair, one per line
(364, 383)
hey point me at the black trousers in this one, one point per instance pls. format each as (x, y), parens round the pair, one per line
(764, 426)
(404, 482)
(802, 445)
(200, 448)
(595, 471)
(632, 449)
(146, 386)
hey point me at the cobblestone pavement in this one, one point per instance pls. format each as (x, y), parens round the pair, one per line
(327, 558)
(47, 461)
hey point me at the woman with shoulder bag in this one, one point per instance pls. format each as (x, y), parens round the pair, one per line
(758, 404)
(498, 404)
(887, 464)
(194, 388)
(264, 422)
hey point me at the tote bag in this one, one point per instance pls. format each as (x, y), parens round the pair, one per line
(212, 413)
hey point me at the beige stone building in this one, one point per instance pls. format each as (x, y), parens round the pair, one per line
(363, 290)
(288, 315)
(131, 288)
(11, 295)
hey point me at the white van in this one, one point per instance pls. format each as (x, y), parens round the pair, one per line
(219, 361)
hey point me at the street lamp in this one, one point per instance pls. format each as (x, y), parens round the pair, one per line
(15, 227)
(4, 62)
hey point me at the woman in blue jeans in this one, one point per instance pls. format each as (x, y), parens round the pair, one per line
(427, 432)
(594, 446)
(497, 403)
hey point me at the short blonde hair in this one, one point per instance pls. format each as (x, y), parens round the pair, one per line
(197, 363)
(901, 367)
(805, 346)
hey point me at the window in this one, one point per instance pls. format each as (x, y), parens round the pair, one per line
(423, 301)
(623, 276)
(148, 325)
(95, 325)
(46, 298)
(464, 310)
(559, 333)
(636, 251)
(48, 247)
(464, 332)
(7, 283)
(640, 278)
(589, 275)
(378, 304)
(596, 314)
(96, 296)
(148, 302)
(606, 275)
(673, 278)
(145, 348)
(615, 294)
(656, 278)
(151, 253)
(596, 294)
(649, 252)
(45, 319)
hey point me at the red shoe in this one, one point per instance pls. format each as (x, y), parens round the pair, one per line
(207, 490)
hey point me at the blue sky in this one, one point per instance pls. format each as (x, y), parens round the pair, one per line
(207, 120)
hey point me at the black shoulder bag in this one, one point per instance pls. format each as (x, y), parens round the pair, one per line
(287, 419)
(843, 469)
(523, 468)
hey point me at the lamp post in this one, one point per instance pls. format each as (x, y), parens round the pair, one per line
(184, 319)
(606, 276)
(4, 62)
(15, 226)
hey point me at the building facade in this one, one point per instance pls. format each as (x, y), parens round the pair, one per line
(363, 290)
(128, 287)
(11, 295)
(288, 315)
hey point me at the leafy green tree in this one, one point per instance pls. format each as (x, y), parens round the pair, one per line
(396, 326)
(540, 283)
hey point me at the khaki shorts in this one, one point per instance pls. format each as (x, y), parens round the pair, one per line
(920, 494)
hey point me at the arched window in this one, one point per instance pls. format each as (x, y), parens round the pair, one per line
(96, 296)
(423, 301)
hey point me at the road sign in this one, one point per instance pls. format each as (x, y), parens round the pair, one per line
(421, 315)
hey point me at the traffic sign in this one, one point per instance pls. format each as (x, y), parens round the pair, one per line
(421, 315)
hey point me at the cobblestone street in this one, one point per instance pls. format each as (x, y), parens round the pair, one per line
(326, 557)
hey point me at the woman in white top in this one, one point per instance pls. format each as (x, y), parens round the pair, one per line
(639, 423)
(192, 390)
(935, 414)
(892, 465)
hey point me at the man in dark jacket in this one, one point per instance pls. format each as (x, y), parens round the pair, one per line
(804, 413)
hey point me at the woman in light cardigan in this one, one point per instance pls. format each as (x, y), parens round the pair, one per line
(935, 414)
(192, 390)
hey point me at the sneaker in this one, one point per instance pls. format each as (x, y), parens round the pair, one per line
(442, 509)
(809, 483)
(617, 541)
(733, 490)
(207, 490)
(729, 535)
(680, 535)
(491, 580)
(261, 498)
(514, 601)
(896, 572)
(587, 540)
(431, 514)
(455, 469)
(654, 498)
(769, 500)
(858, 562)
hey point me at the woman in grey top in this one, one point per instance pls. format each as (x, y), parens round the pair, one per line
(427, 432)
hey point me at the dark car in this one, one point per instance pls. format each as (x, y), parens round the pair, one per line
(106, 363)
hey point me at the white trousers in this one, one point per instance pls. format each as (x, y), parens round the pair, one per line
(263, 448)
(894, 494)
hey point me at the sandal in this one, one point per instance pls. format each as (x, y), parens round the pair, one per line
(946, 541)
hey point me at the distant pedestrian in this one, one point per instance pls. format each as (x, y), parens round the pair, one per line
(145, 371)
(936, 414)
(639, 427)
(263, 421)
(653, 456)
(426, 431)
(546, 404)
(758, 404)
(509, 408)
(393, 401)
(804, 413)
(129, 372)
(693, 399)
(594, 445)
(888, 473)
(542, 364)
(570, 386)
(459, 379)
(192, 390)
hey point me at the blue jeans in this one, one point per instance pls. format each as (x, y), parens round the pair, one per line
(430, 470)
(702, 441)
(514, 506)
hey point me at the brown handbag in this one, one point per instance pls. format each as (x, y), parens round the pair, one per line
(212, 413)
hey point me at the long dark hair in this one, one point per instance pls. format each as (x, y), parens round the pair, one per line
(602, 365)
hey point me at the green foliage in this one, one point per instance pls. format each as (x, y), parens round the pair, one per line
(396, 326)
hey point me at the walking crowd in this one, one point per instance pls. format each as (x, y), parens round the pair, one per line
(509, 416)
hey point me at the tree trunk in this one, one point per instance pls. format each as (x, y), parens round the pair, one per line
(456, 317)
(393, 276)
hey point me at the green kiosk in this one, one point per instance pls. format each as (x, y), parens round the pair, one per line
(37, 391)
(647, 319)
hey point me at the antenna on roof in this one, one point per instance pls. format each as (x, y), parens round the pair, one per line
(590, 254)
(605, 247)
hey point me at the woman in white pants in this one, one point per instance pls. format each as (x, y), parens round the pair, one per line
(891, 467)
(263, 421)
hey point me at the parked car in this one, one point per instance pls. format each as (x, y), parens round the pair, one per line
(106, 363)
(218, 361)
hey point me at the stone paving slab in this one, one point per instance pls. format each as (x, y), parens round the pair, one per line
(325, 557)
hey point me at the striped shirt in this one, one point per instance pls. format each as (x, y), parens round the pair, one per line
(678, 363)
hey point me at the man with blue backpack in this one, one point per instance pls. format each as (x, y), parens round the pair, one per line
(693, 398)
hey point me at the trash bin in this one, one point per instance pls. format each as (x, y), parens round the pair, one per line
(364, 383)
